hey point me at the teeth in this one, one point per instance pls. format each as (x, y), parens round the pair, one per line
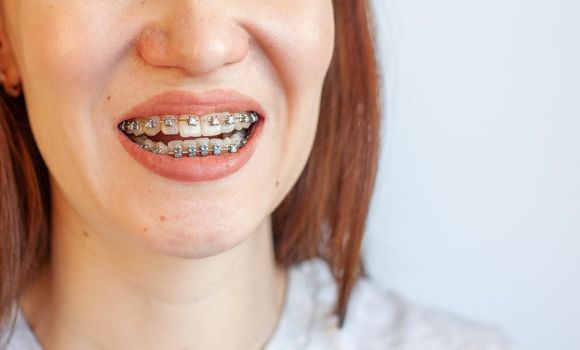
(130, 127)
(173, 145)
(232, 126)
(210, 125)
(152, 126)
(191, 147)
(170, 125)
(175, 148)
(248, 119)
(229, 123)
(190, 126)
(137, 127)
(237, 137)
(148, 145)
(203, 146)
(216, 146)
(239, 123)
(160, 148)
(192, 120)
(138, 139)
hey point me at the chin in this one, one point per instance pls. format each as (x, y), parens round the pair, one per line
(195, 239)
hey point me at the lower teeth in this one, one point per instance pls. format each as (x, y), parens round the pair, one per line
(200, 147)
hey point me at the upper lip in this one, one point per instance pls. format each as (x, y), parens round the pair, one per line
(185, 102)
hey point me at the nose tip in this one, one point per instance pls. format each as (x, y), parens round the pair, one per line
(194, 44)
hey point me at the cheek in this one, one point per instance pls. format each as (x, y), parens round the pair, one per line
(70, 47)
(299, 41)
(297, 44)
(67, 52)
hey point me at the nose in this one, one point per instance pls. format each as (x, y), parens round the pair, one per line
(197, 39)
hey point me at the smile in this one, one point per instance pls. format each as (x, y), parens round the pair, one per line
(192, 135)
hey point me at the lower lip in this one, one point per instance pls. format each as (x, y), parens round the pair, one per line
(197, 169)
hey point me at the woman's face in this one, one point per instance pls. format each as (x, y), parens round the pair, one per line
(87, 66)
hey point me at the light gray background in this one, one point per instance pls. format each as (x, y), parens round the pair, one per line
(477, 203)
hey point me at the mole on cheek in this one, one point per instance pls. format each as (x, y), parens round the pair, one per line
(162, 218)
(277, 183)
(86, 234)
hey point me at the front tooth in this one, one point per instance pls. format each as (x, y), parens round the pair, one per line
(191, 147)
(203, 146)
(170, 125)
(210, 125)
(190, 126)
(160, 148)
(152, 126)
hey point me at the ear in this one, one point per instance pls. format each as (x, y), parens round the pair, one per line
(9, 72)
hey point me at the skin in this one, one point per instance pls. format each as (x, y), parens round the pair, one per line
(131, 267)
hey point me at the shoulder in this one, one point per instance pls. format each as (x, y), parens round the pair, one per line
(380, 319)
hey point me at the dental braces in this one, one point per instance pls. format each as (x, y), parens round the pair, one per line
(192, 120)
(203, 150)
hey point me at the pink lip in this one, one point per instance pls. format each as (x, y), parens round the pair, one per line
(195, 169)
(182, 102)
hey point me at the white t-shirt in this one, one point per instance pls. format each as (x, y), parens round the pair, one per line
(376, 319)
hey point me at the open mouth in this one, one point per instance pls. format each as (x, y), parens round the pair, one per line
(191, 135)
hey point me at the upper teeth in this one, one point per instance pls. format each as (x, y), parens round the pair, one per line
(189, 125)
(192, 120)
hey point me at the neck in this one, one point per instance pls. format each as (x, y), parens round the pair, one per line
(102, 293)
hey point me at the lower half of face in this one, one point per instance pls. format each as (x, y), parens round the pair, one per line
(176, 125)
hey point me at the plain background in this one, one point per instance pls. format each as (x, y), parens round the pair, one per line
(476, 209)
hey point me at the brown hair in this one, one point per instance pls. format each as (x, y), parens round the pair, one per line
(323, 215)
(24, 206)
